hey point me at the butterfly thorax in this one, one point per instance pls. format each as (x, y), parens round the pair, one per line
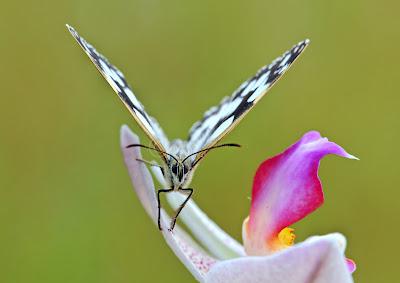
(178, 171)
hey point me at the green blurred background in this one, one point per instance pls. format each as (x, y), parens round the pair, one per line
(68, 211)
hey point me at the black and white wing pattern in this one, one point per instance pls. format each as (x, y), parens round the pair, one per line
(117, 81)
(219, 120)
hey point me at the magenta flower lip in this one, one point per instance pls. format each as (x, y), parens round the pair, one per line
(286, 188)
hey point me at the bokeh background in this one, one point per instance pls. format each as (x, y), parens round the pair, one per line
(68, 212)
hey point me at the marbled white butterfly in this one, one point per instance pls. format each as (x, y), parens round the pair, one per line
(181, 157)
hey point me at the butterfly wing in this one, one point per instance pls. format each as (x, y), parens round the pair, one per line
(117, 81)
(219, 120)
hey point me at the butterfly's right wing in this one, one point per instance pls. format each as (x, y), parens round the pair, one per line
(219, 120)
(117, 81)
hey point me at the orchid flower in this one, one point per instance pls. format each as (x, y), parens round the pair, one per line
(286, 188)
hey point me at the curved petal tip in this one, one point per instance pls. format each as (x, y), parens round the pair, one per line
(351, 265)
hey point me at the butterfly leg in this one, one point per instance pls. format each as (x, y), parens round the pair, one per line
(173, 220)
(159, 205)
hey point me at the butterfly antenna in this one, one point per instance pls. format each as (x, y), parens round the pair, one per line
(210, 148)
(151, 148)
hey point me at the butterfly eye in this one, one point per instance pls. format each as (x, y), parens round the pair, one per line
(174, 169)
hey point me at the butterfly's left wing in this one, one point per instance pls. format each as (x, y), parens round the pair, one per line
(117, 81)
(219, 120)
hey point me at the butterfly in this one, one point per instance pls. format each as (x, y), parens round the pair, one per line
(181, 157)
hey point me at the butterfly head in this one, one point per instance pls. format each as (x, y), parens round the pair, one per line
(181, 162)
(179, 172)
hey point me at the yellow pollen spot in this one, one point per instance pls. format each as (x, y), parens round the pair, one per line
(286, 237)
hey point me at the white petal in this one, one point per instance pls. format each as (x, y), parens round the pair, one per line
(317, 261)
(207, 232)
(335, 237)
(195, 260)
(140, 176)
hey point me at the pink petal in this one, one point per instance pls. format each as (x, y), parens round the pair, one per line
(351, 265)
(286, 188)
(319, 261)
